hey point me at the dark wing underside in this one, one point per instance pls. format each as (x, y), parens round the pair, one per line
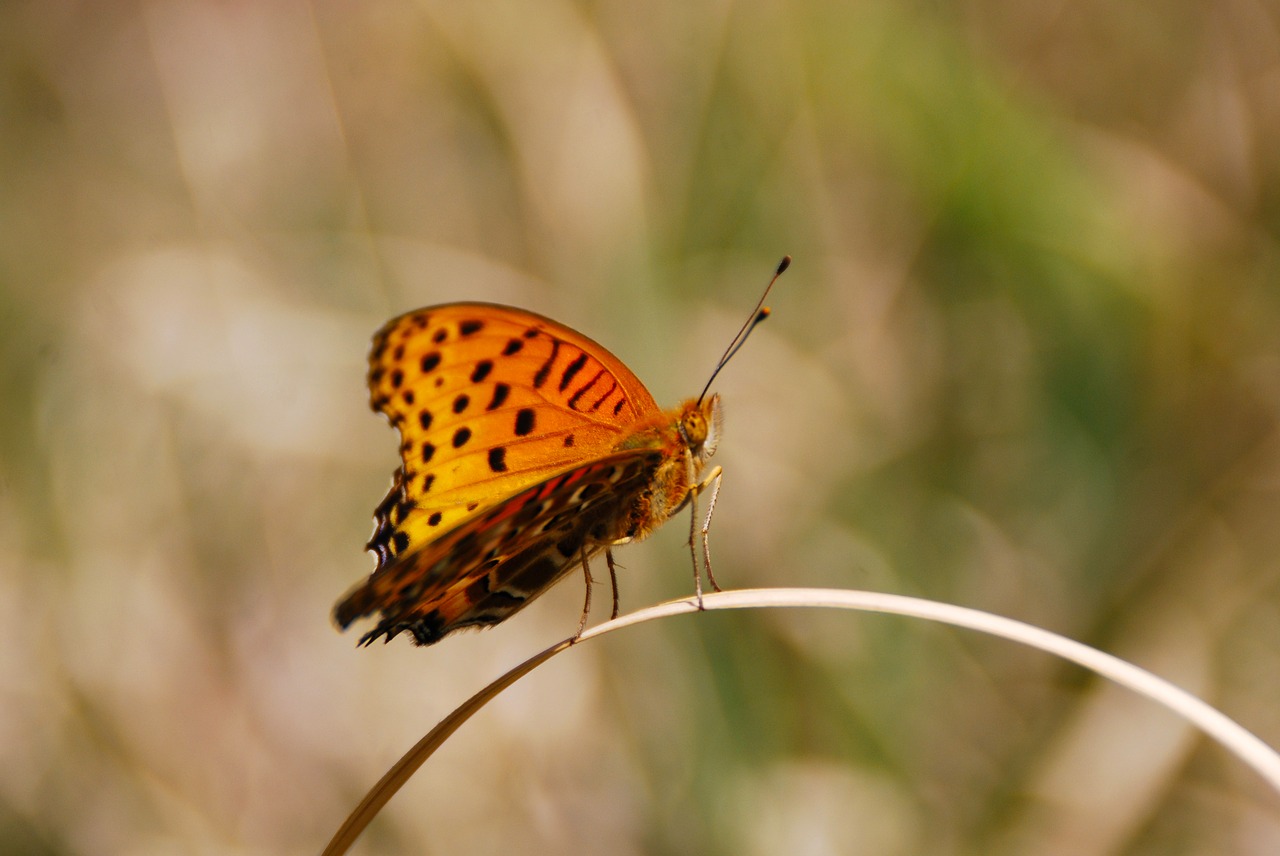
(491, 565)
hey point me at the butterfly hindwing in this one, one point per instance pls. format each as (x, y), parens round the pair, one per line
(492, 564)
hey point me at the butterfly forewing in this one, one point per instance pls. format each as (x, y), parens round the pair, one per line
(482, 571)
(488, 400)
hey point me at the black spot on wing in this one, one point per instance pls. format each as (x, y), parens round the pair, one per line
(470, 327)
(500, 393)
(402, 510)
(466, 544)
(481, 370)
(599, 401)
(571, 371)
(537, 575)
(427, 630)
(524, 421)
(498, 459)
(545, 370)
(569, 547)
(430, 361)
(502, 601)
(573, 401)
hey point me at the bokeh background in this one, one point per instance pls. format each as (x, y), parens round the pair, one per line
(1027, 360)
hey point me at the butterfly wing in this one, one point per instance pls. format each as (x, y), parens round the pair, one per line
(488, 400)
(491, 565)
(509, 426)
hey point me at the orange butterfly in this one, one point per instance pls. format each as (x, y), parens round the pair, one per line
(526, 449)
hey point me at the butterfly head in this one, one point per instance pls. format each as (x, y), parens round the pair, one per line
(700, 426)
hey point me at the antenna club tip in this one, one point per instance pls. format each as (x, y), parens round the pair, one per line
(783, 265)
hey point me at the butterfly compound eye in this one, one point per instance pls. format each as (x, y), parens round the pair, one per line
(694, 426)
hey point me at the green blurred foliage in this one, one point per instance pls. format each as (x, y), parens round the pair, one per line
(1027, 360)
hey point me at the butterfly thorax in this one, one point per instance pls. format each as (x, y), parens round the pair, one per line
(687, 437)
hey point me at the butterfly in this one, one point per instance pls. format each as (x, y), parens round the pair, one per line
(526, 449)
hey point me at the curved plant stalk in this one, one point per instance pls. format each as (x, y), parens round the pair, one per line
(1236, 739)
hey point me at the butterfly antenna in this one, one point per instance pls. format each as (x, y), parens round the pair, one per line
(758, 314)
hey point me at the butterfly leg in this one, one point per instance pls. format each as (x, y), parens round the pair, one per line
(613, 578)
(714, 478)
(693, 550)
(586, 607)
(712, 481)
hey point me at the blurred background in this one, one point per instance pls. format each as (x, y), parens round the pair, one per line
(1027, 360)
